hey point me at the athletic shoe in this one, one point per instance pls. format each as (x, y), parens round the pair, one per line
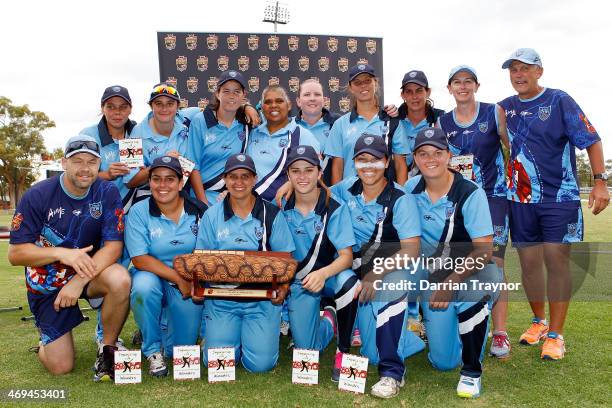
(137, 338)
(119, 344)
(337, 367)
(356, 340)
(500, 345)
(387, 387)
(157, 365)
(284, 328)
(554, 347)
(468, 387)
(104, 367)
(535, 332)
(329, 313)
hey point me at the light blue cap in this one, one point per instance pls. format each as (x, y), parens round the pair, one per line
(526, 55)
(462, 68)
(81, 144)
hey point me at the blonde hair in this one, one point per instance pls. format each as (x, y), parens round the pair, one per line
(309, 81)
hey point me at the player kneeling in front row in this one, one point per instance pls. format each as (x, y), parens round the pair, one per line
(244, 222)
(456, 227)
(68, 233)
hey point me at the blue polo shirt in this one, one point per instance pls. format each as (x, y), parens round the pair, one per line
(304, 229)
(465, 207)
(404, 136)
(321, 128)
(49, 216)
(399, 222)
(155, 145)
(543, 132)
(480, 138)
(109, 150)
(221, 229)
(149, 232)
(269, 152)
(345, 132)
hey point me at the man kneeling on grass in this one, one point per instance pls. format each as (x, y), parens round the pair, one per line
(68, 233)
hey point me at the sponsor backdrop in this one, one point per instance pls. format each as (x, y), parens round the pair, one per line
(193, 61)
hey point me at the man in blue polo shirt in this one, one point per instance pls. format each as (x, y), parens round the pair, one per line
(68, 233)
(244, 222)
(545, 126)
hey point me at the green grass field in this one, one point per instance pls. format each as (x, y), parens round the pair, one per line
(583, 378)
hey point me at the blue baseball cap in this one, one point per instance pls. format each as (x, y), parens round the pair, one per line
(116, 90)
(168, 162)
(526, 55)
(372, 144)
(432, 137)
(415, 77)
(231, 76)
(361, 69)
(304, 152)
(462, 68)
(239, 161)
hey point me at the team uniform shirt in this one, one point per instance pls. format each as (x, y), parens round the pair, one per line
(151, 233)
(49, 216)
(345, 132)
(480, 139)
(155, 145)
(109, 152)
(462, 213)
(404, 138)
(543, 132)
(391, 215)
(269, 152)
(209, 146)
(306, 229)
(221, 229)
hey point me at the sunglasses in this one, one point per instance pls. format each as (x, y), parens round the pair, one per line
(164, 89)
(82, 144)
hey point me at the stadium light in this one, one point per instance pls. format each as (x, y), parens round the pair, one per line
(276, 13)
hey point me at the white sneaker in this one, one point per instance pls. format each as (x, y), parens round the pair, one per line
(284, 328)
(119, 344)
(387, 387)
(468, 387)
(157, 365)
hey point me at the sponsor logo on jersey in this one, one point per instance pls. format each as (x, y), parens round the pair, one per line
(170, 41)
(202, 63)
(544, 112)
(483, 127)
(318, 226)
(16, 222)
(283, 142)
(259, 233)
(181, 63)
(294, 84)
(95, 209)
(590, 128)
(191, 42)
(332, 44)
(58, 211)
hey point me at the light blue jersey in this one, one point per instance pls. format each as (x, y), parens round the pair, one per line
(210, 144)
(404, 138)
(270, 151)
(345, 132)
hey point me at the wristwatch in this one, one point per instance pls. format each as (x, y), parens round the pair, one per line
(600, 176)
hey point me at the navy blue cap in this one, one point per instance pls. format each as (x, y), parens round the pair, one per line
(116, 90)
(239, 161)
(231, 76)
(304, 152)
(169, 162)
(360, 69)
(415, 77)
(373, 144)
(432, 137)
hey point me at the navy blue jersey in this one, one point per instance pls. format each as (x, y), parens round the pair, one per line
(543, 132)
(48, 216)
(480, 139)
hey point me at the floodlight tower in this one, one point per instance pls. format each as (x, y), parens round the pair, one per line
(277, 13)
